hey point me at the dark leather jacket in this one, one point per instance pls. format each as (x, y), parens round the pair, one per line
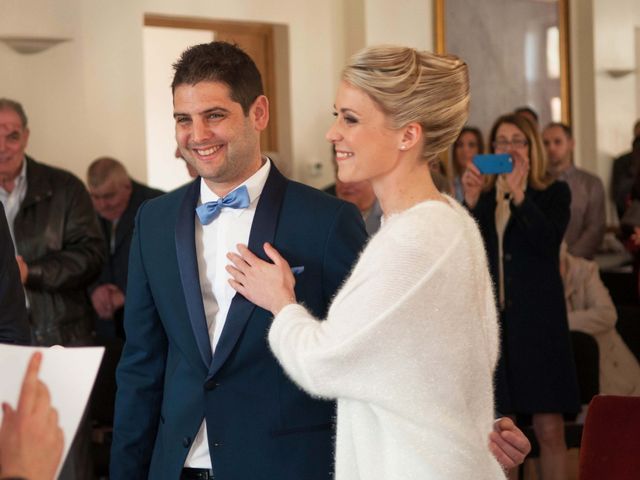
(14, 327)
(57, 233)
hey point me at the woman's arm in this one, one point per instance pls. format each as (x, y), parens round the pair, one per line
(544, 222)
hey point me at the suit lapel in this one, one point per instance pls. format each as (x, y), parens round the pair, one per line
(188, 266)
(263, 229)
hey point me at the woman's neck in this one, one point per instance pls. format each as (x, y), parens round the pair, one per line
(405, 187)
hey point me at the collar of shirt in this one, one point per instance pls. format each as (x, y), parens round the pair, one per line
(19, 180)
(568, 172)
(255, 183)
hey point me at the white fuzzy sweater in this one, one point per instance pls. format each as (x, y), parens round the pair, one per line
(408, 349)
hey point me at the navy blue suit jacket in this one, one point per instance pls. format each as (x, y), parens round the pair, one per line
(259, 424)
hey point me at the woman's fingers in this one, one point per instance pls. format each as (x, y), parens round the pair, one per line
(236, 274)
(247, 255)
(274, 255)
(473, 169)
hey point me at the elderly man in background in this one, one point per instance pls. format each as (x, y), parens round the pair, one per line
(587, 225)
(116, 198)
(60, 250)
(55, 232)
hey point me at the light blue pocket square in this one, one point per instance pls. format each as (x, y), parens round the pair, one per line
(297, 270)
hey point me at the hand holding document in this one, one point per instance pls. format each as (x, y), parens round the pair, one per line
(65, 382)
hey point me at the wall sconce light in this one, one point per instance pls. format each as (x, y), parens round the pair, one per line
(619, 72)
(29, 45)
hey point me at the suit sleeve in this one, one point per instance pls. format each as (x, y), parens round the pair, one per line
(14, 326)
(82, 254)
(140, 372)
(373, 317)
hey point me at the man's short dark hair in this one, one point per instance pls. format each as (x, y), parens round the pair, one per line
(565, 128)
(8, 104)
(527, 109)
(220, 62)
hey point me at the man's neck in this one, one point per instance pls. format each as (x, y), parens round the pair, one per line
(561, 169)
(223, 188)
(8, 181)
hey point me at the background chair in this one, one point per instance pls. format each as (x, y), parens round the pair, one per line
(611, 440)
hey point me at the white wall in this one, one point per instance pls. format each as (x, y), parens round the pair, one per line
(616, 99)
(616, 104)
(85, 98)
(161, 48)
(583, 104)
(400, 22)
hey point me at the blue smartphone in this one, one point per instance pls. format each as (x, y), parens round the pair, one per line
(493, 163)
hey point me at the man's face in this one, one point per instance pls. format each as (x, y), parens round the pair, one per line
(13, 143)
(214, 135)
(111, 198)
(559, 147)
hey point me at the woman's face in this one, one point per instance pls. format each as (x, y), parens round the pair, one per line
(465, 148)
(366, 148)
(510, 139)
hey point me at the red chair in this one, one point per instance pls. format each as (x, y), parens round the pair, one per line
(610, 448)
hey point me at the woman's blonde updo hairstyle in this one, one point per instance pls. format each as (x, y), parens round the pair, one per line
(412, 86)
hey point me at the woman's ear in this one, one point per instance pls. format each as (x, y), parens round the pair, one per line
(411, 135)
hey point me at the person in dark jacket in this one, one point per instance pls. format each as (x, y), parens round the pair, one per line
(14, 327)
(624, 171)
(523, 216)
(56, 236)
(60, 251)
(116, 198)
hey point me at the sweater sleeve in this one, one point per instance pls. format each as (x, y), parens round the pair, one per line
(372, 319)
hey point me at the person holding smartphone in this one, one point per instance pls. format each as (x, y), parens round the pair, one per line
(523, 216)
(468, 144)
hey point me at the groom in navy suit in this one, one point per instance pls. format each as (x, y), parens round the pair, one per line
(199, 393)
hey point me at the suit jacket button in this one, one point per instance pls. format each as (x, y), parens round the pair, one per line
(186, 441)
(211, 385)
(507, 257)
(217, 444)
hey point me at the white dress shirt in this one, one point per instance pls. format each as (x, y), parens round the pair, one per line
(12, 200)
(213, 242)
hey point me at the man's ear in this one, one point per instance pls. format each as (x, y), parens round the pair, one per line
(260, 112)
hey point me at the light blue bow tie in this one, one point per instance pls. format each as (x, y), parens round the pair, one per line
(239, 198)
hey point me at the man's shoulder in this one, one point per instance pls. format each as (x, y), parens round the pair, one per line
(319, 199)
(160, 206)
(173, 196)
(145, 191)
(625, 157)
(588, 177)
(42, 171)
(304, 203)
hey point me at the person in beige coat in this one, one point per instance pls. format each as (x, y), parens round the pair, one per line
(591, 310)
